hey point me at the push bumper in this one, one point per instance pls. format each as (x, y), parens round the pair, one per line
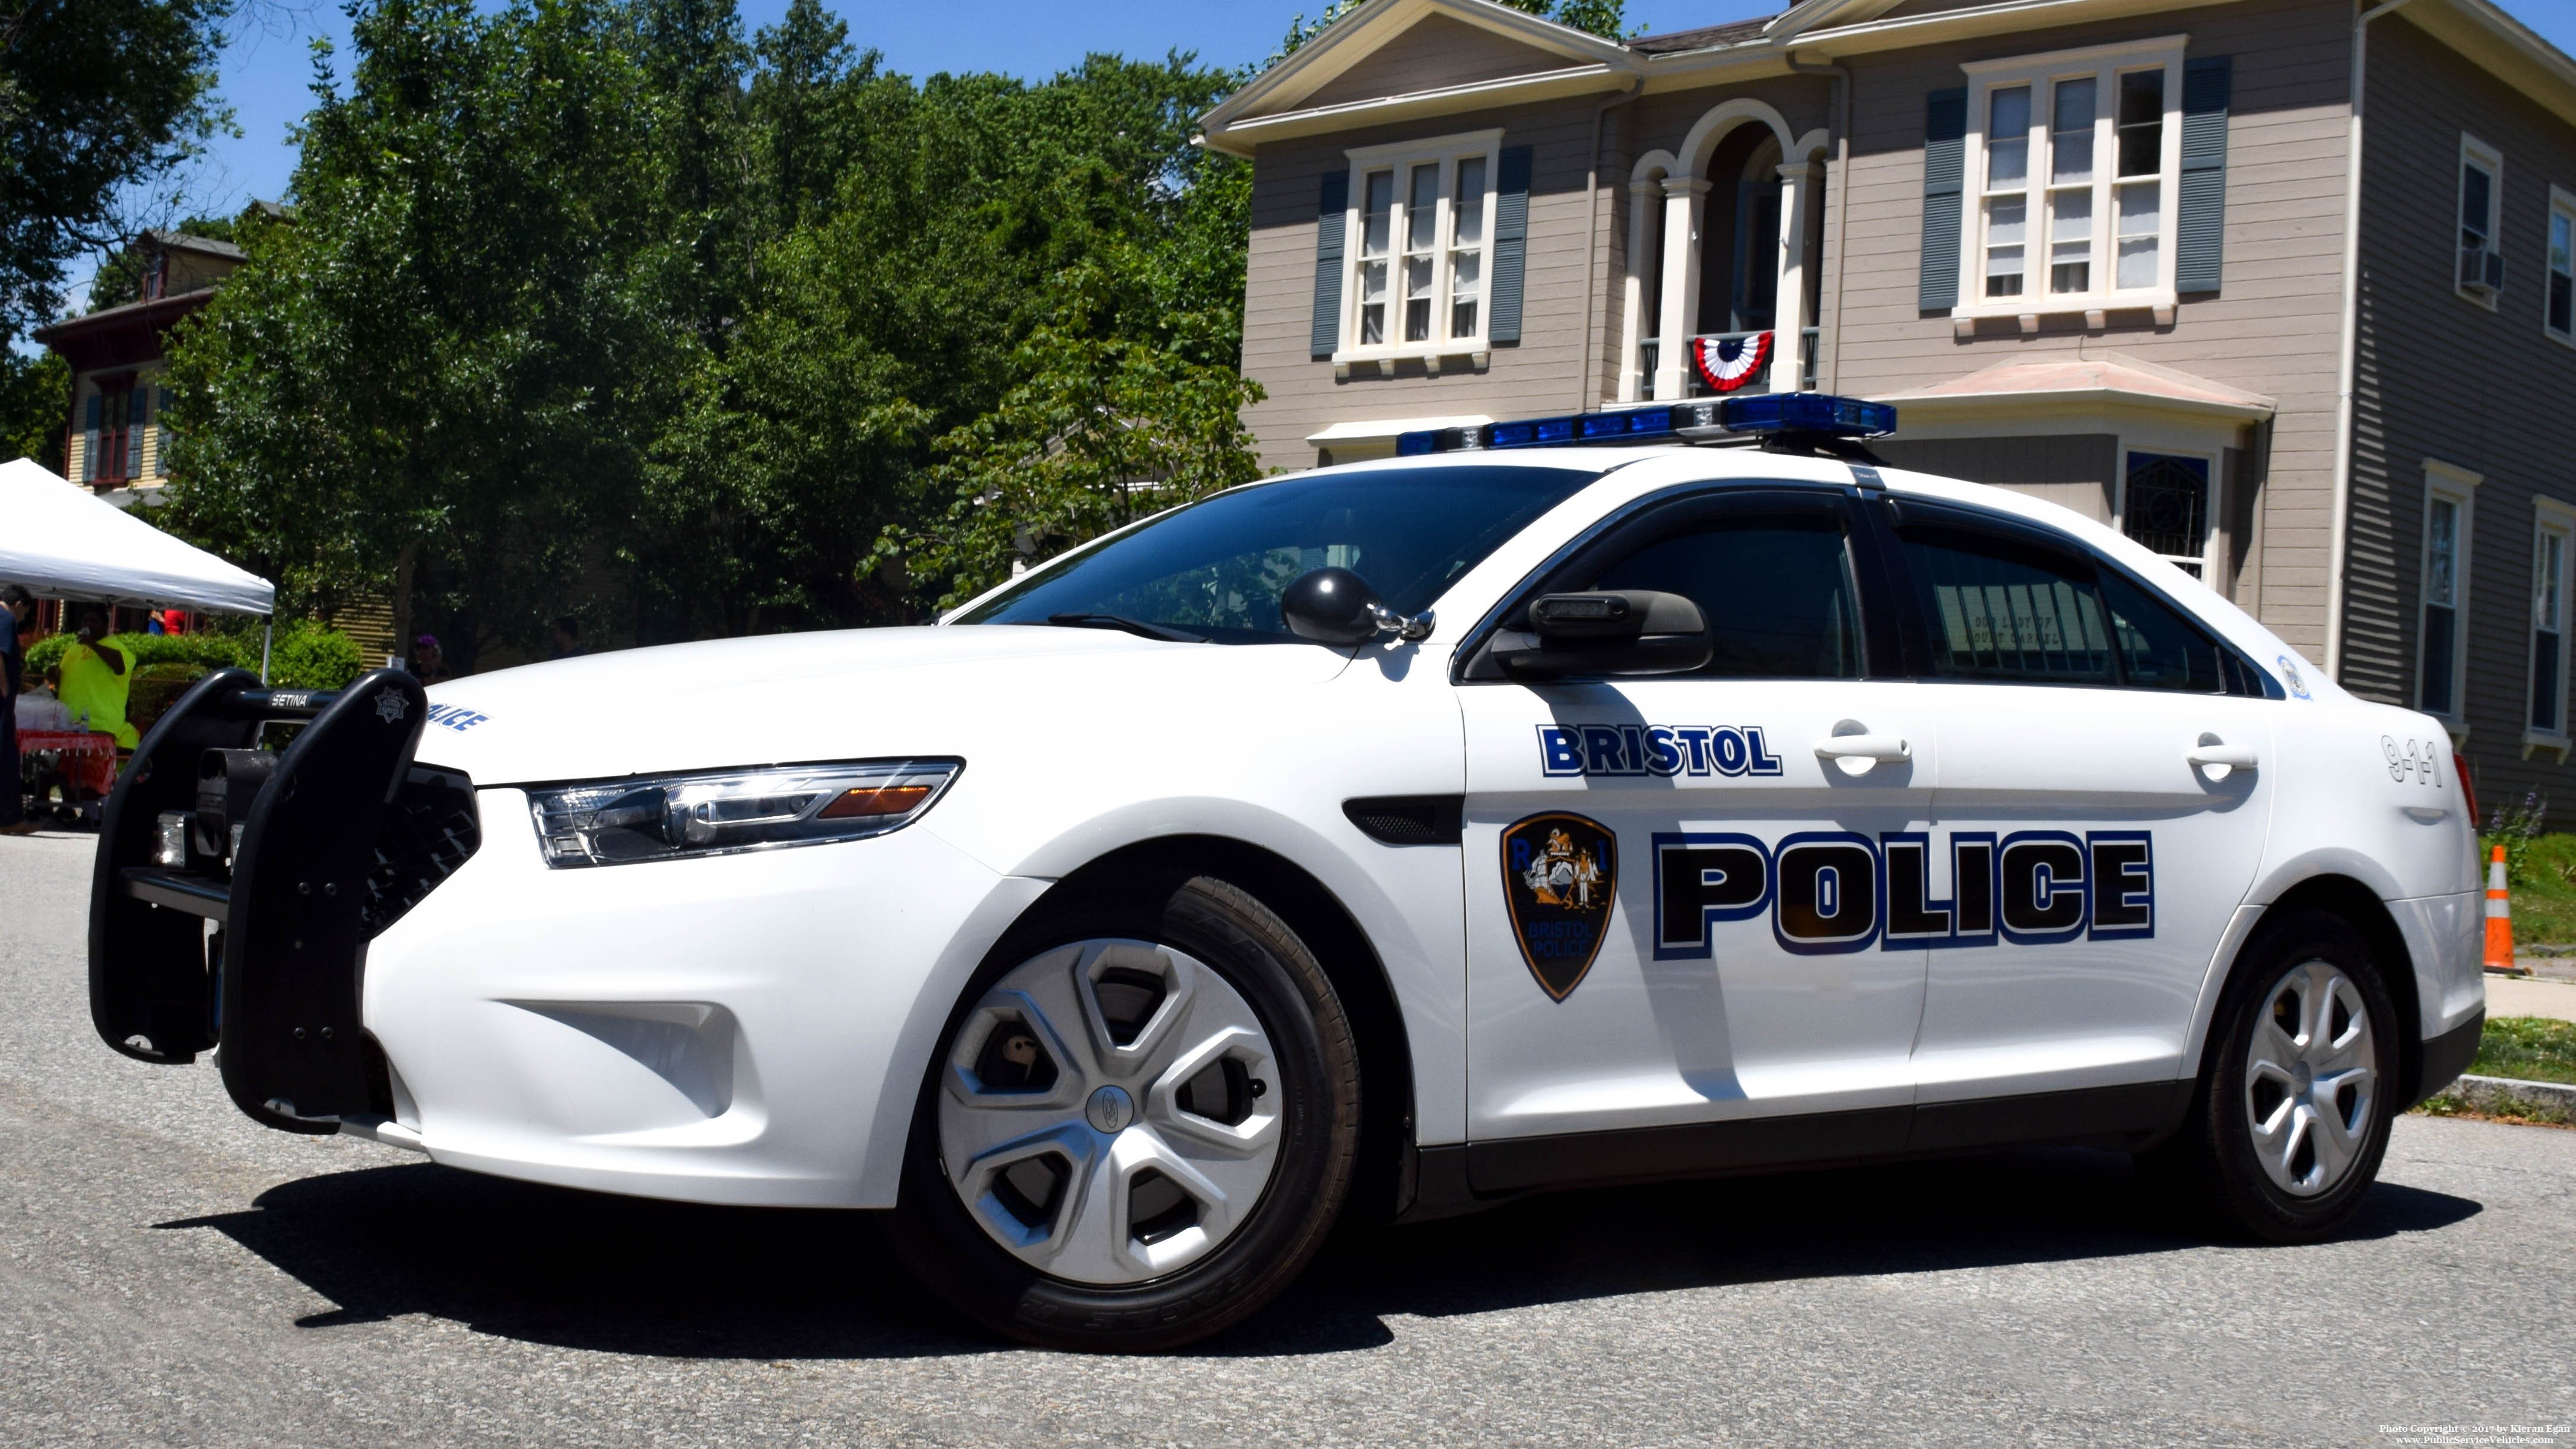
(296, 859)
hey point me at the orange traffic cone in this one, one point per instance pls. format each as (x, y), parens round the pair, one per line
(2499, 918)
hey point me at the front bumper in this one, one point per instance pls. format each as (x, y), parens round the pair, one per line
(381, 950)
(747, 1028)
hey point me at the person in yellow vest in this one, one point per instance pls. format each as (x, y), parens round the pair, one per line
(96, 678)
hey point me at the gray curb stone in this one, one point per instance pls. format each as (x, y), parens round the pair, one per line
(2508, 1094)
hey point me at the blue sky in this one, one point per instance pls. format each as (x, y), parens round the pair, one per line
(268, 66)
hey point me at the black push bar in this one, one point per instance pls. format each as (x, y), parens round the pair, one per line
(277, 850)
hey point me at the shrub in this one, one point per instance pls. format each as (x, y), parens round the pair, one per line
(308, 656)
(213, 651)
(2514, 827)
(305, 655)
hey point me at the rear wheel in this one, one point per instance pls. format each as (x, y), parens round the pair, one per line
(1140, 1124)
(2297, 1088)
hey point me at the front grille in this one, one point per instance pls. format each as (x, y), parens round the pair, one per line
(429, 831)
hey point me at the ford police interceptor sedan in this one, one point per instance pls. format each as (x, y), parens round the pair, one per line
(1397, 838)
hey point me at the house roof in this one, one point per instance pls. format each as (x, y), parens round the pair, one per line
(1568, 62)
(1702, 38)
(180, 241)
(2088, 384)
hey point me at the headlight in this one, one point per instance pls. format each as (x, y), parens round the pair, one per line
(616, 822)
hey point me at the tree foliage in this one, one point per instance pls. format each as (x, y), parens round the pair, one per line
(100, 101)
(600, 307)
(34, 398)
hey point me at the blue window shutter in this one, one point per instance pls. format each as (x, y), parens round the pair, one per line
(160, 432)
(2200, 224)
(1511, 244)
(89, 443)
(1945, 143)
(1331, 210)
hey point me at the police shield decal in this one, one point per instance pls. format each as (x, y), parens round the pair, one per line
(1560, 876)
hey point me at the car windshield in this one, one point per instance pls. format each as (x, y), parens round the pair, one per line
(1215, 569)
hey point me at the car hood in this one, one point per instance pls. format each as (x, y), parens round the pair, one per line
(855, 694)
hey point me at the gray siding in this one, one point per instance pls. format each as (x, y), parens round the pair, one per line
(2442, 377)
(2274, 329)
(1541, 373)
(2073, 471)
(1434, 52)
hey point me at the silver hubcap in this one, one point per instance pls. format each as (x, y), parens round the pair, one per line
(2311, 1079)
(1111, 1111)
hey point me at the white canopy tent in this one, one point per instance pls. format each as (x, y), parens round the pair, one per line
(64, 542)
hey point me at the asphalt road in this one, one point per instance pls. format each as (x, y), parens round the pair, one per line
(170, 1273)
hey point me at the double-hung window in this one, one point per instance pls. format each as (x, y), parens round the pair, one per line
(2480, 277)
(2545, 721)
(2074, 161)
(2439, 659)
(1423, 215)
(2558, 295)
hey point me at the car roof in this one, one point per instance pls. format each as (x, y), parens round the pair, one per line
(1686, 464)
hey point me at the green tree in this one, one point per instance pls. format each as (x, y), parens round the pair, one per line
(35, 407)
(591, 307)
(100, 102)
(440, 378)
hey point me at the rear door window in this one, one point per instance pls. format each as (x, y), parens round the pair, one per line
(2009, 606)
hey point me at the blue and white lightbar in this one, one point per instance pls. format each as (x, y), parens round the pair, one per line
(1816, 413)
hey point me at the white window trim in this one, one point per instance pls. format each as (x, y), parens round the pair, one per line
(2105, 63)
(2492, 160)
(2550, 516)
(2562, 203)
(2459, 485)
(2209, 510)
(1401, 157)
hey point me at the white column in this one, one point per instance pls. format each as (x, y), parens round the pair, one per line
(1685, 206)
(1789, 305)
(1633, 322)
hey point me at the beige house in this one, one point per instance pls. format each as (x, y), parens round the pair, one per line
(117, 356)
(2140, 257)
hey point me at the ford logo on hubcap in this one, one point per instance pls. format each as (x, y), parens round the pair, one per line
(1110, 1109)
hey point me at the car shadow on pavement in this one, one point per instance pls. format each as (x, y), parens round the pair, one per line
(628, 1275)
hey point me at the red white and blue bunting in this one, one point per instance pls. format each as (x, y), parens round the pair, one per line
(1730, 362)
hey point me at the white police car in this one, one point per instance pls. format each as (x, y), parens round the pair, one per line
(1648, 811)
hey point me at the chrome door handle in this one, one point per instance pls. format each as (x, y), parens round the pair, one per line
(1864, 747)
(2218, 761)
(1859, 754)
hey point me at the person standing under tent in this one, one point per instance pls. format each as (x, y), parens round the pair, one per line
(13, 671)
(96, 679)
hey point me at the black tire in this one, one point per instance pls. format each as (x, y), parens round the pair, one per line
(2210, 1170)
(1233, 934)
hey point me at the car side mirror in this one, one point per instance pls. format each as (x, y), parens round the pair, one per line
(1606, 632)
(1336, 606)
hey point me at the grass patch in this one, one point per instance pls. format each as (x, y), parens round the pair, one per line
(2528, 1048)
(2450, 1106)
(2544, 891)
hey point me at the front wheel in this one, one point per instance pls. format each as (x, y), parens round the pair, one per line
(2297, 1088)
(1139, 1126)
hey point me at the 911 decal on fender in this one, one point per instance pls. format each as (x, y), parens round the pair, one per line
(1561, 878)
